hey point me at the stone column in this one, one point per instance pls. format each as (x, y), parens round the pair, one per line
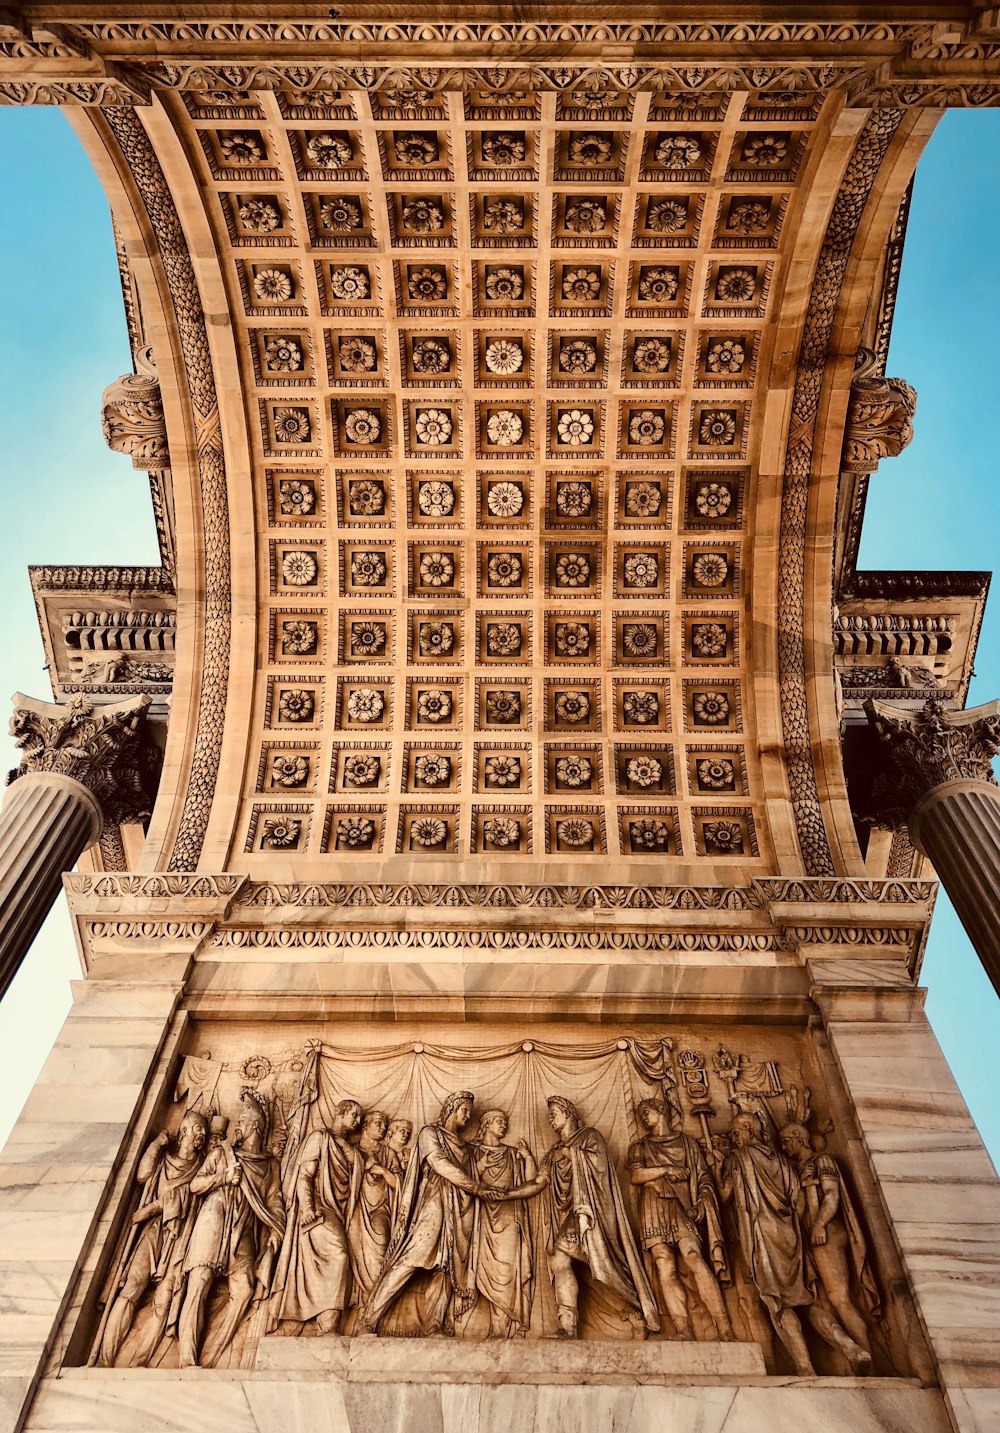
(80, 768)
(943, 763)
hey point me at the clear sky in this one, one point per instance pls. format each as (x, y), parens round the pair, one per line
(64, 498)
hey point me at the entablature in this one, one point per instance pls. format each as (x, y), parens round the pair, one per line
(232, 917)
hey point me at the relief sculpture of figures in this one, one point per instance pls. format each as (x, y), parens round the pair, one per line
(156, 1242)
(313, 1281)
(837, 1242)
(433, 1243)
(588, 1224)
(368, 1229)
(396, 1148)
(766, 1197)
(237, 1233)
(676, 1196)
(371, 1220)
(503, 1252)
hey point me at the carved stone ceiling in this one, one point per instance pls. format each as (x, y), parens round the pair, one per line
(500, 363)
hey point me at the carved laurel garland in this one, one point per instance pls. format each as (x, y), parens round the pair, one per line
(152, 185)
(862, 171)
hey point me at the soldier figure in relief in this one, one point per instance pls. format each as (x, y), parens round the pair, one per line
(237, 1232)
(313, 1280)
(676, 1195)
(836, 1239)
(587, 1221)
(155, 1247)
(766, 1196)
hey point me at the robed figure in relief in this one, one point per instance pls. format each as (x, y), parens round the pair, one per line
(503, 1249)
(588, 1223)
(370, 1225)
(160, 1230)
(313, 1280)
(237, 1231)
(765, 1193)
(433, 1245)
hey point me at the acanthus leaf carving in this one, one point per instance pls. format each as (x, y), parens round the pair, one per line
(103, 749)
(879, 416)
(933, 746)
(132, 415)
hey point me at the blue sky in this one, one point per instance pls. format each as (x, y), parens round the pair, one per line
(64, 498)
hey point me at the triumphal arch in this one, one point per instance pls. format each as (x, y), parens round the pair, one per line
(505, 822)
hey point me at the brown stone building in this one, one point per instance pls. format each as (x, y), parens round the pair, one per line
(505, 823)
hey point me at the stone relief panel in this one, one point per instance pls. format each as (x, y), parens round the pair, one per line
(642, 1184)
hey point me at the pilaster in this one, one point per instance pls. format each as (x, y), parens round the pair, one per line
(937, 1183)
(62, 1157)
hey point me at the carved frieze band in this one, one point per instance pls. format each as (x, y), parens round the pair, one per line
(117, 63)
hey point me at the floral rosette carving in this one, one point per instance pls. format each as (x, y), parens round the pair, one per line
(432, 769)
(502, 832)
(503, 705)
(502, 770)
(328, 151)
(574, 771)
(644, 771)
(365, 704)
(362, 769)
(350, 283)
(434, 704)
(436, 639)
(356, 833)
(575, 832)
(289, 770)
(505, 499)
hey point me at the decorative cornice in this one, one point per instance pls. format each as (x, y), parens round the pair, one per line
(881, 62)
(103, 750)
(933, 746)
(894, 586)
(132, 416)
(101, 580)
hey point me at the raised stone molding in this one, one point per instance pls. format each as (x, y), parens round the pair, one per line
(132, 415)
(933, 746)
(879, 416)
(133, 892)
(101, 749)
(119, 911)
(879, 61)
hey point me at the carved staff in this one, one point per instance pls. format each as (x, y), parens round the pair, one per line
(695, 1080)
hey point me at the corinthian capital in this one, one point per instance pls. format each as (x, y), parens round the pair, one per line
(102, 749)
(933, 746)
(879, 417)
(132, 416)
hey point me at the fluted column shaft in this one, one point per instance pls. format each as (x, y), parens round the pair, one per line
(46, 823)
(957, 827)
